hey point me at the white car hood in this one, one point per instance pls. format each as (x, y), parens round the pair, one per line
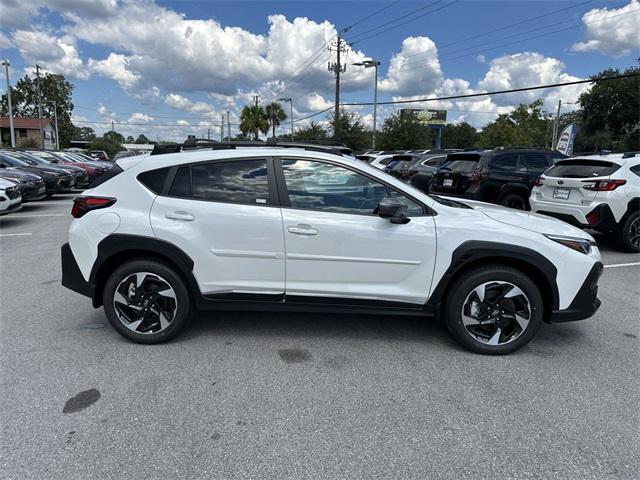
(528, 220)
(6, 183)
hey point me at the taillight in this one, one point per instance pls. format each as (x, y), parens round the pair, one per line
(603, 185)
(82, 205)
(539, 182)
(476, 176)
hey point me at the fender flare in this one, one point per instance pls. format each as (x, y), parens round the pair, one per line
(117, 246)
(476, 252)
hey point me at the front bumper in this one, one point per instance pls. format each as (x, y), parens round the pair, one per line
(71, 275)
(13, 207)
(586, 302)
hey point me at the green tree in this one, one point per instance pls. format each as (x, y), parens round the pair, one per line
(403, 133)
(526, 125)
(106, 144)
(142, 138)
(114, 136)
(83, 133)
(610, 112)
(253, 120)
(129, 139)
(55, 90)
(461, 135)
(275, 115)
(352, 132)
(314, 133)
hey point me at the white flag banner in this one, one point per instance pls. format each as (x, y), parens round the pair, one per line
(566, 139)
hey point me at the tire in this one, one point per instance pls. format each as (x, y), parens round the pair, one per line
(462, 306)
(629, 233)
(137, 292)
(515, 201)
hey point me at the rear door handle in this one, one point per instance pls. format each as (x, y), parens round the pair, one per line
(302, 229)
(180, 215)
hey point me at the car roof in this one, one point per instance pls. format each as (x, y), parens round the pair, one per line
(617, 158)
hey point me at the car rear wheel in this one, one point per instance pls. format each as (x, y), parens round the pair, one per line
(493, 310)
(146, 301)
(630, 233)
(515, 201)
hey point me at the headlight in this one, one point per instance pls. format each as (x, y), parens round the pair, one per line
(581, 245)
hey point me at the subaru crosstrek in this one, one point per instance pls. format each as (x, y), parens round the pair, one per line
(308, 229)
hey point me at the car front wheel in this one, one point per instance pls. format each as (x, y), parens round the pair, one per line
(493, 310)
(146, 301)
(630, 233)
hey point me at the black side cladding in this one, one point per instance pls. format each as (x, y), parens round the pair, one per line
(108, 175)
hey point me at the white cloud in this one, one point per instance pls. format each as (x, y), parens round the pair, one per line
(183, 122)
(481, 59)
(138, 117)
(56, 55)
(115, 68)
(614, 32)
(406, 75)
(180, 102)
(529, 69)
(5, 43)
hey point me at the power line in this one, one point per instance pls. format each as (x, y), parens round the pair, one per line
(498, 92)
(405, 22)
(362, 20)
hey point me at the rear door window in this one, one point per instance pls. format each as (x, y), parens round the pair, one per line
(505, 162)
(237, 181)
(582, 168)
(533, 162)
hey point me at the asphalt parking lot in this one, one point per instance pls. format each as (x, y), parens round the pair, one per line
(247, 395)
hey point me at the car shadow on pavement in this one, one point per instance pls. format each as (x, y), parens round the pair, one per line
(317, 325)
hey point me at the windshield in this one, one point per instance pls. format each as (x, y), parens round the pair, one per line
(9, 159)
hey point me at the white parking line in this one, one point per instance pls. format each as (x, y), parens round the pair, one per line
(40, 215)
(14, 234)
(616, 265)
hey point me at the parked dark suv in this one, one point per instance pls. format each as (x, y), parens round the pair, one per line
(502, 176)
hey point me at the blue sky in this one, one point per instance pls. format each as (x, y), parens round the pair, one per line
(149, 66)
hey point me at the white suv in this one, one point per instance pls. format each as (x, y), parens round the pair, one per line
(10, 197)
(600, 192)
(308, 229)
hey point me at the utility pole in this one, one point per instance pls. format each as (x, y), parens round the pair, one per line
(337, 68)
(256, 98)
(290, 100)
(229, 124)
(374, 64)
(6, 64)
(222, 128)
(208, 133)
(556, 127)
(112, 127)
(55, 116)
(39, 106)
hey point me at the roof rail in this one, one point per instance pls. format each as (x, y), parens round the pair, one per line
(630, 154)
(196, 144)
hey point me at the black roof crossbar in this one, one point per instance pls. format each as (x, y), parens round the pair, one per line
(197, 144)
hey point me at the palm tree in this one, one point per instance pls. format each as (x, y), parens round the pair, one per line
(275, 115)
(253, 120)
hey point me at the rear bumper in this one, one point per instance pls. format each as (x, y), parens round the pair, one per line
(586, 302)
(71, 275)
(601, 215)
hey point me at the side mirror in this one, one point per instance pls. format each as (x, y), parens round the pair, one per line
(393, 209)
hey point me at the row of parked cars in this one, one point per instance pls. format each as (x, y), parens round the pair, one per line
(599, 192)
(32, 175)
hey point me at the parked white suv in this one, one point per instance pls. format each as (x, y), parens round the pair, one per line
(601, 192)
(303, 229)
(10, 197)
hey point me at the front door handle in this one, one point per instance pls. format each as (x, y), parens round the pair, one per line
(180, 215)
(302, 229)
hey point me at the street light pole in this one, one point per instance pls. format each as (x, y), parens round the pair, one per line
(6, 65)
(55, 116)
(374, 64)
(290, 100)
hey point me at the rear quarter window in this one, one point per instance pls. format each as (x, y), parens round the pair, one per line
(582, 168)
(153, 179)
